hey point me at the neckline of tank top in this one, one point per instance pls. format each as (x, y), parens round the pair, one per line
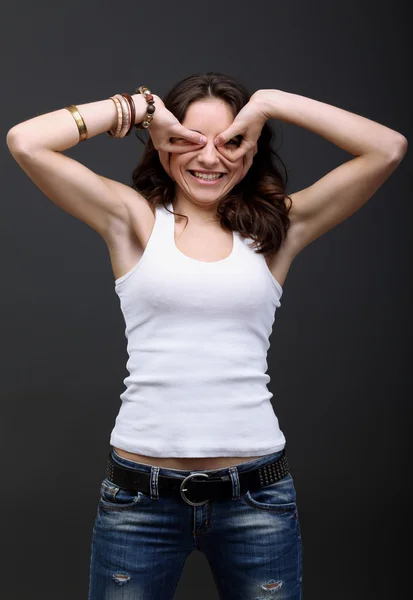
(235, 246)
(195, 260)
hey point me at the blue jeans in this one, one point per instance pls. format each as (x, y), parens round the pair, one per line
(252, 541)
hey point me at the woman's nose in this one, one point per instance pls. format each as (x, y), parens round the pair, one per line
(209, 152)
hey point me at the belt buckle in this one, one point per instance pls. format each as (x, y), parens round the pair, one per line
(182, 489)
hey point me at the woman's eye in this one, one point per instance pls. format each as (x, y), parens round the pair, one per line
(236, 142)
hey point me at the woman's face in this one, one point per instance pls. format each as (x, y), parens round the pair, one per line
(208, 117)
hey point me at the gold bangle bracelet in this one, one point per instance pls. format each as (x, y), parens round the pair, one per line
(116, 131)
(81, 125)
(125, 115)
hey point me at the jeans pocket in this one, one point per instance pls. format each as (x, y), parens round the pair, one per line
(278, 497)
(114, 497)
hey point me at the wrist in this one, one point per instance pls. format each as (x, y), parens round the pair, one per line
(140, 107)
(269, 102)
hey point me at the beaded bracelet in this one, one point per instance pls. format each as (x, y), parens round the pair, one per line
(150, 108)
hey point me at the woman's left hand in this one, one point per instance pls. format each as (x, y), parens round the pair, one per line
(248, 123)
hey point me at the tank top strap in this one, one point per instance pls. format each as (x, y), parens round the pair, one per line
(160, 235)
(166, 230)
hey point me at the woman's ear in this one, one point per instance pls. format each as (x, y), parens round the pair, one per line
(164, 158)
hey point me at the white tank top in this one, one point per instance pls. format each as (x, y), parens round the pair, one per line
(197, 340)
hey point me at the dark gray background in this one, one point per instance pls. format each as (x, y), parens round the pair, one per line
(339, 362)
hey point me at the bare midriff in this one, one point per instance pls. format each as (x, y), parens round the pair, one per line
(210, 462)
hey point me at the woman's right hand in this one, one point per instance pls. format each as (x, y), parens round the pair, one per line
(166, 126)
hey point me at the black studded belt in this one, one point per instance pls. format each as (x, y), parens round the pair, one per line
(208, 487)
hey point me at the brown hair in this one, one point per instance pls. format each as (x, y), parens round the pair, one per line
(255, 207)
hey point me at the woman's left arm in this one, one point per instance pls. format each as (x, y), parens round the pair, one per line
(342, 191)
(351, 132)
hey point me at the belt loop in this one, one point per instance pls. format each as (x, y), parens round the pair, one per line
(153, 482)
(233, 473)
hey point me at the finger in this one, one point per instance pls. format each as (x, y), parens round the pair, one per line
(181, 148)
(235, 154)
(191, 136)
(228, 134)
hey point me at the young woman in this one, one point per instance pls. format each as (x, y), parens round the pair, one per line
(200, 246)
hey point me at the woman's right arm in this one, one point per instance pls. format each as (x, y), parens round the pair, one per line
(37, 145)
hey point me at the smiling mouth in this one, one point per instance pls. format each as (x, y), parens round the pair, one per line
(209, 181)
